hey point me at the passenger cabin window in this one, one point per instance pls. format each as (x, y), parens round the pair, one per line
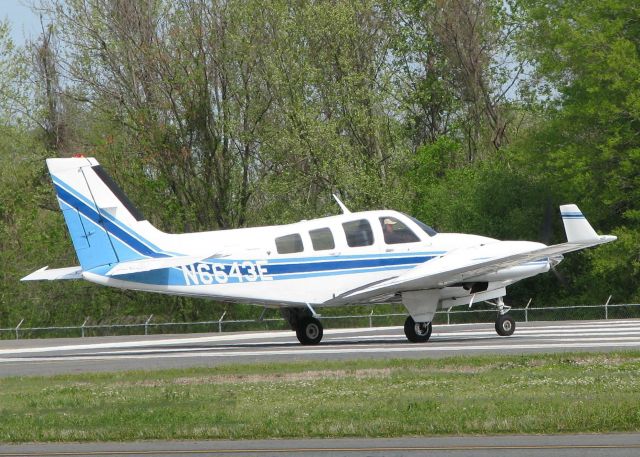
(358, 233)
(322, 239)
(395, 232)
(289, 244)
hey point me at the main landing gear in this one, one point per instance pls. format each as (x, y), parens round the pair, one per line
(309, 331)
(307, 327)
(417, 332)
(505, 325)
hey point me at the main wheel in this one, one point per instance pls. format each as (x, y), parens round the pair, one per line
(505, 325)
(309, 331)
(417, 332)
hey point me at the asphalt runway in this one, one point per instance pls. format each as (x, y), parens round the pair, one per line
(56, 356)
(612, 445)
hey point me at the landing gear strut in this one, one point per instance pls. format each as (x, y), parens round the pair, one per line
(417, 332)
(505, 325)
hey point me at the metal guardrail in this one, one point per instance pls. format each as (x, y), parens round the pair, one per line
(219, 323)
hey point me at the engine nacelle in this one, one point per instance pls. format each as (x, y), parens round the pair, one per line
(515, 273)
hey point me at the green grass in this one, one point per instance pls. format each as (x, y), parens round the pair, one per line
(381, 398)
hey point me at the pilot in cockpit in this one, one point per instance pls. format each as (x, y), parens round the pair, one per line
(390, 234)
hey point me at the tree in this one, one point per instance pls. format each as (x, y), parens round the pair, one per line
(587, 87)
(455, 68)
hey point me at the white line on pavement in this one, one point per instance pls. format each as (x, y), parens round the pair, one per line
(326, 351)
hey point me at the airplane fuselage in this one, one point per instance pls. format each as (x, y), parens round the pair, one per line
(249, 265)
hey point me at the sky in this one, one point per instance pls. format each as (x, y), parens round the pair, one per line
(24, 23)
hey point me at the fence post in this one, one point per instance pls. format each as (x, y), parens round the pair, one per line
(606, 308)
(82, 327)
(146, 325)
(526, 311)
(448, 316)
(371, 319)
(18, 328)
(220, 322)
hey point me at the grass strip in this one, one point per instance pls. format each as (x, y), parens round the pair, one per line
(373, 398)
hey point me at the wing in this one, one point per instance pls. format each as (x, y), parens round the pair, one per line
(462, 265)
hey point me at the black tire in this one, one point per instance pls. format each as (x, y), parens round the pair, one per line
(417, 332)
(505, 325)
(309, 331)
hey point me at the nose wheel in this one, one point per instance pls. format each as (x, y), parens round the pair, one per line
(505, 325)
(417, 332)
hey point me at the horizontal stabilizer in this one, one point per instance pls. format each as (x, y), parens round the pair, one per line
(44, 274)
(139, 266)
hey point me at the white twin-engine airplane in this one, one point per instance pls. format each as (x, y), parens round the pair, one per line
(353, 258)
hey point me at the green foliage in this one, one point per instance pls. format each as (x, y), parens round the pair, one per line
(585, 142)
(490, 198)
(221, 114)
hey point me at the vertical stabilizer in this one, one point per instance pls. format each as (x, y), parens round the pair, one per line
(101, 220)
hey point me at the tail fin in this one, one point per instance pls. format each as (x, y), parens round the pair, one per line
(576, 225)
(104, 225)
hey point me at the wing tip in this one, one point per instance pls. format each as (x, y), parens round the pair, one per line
(45, 274)
(33, 276)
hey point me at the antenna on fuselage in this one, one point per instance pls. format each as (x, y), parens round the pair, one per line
(345, 210)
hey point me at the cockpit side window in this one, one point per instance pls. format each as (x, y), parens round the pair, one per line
(427, 229)
(289, 244)
(396, 232)
(322, 239)
(358, 233)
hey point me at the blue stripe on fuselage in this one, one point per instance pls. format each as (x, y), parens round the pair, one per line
(386, 255)
(275, 269)
(176, 277)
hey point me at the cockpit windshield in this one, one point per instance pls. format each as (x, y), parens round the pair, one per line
(425, 228)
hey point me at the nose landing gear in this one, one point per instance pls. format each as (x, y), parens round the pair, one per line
(505, 325)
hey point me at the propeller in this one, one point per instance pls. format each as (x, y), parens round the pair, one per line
(546, 232)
